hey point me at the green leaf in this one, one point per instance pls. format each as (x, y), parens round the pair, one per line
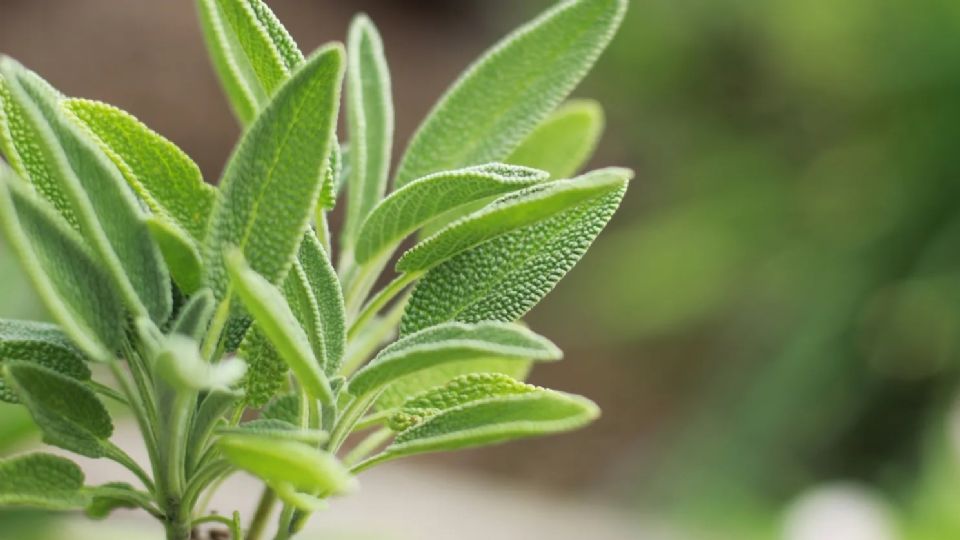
(113, 496)
(285, 407)
(75, 289)
(398, 391)
(326, 289)
(266, 370)
(505, 277)
(251, 51)
(167, 180)
(278, 323)
(415, 204)
(179, 362)
(209, 414)
(565, 141)
(494, 420)
(369, 123)
(287, 463)
(272, 182)
(277, 429)
(459, 391)
(68, 413)
(450, 343)
(510, 212)
(40, 343)
(41, 481)
(303, 303)
(22, 145)
(512, 88)
(179, 252)
(331, 178)
(109, 215)
(194, 316)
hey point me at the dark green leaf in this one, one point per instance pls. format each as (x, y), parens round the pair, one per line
(40, 343)
(41, 481)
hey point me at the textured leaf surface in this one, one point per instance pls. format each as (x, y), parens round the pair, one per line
(68, 413)
(194, 316)
(503, 278)
(458, 392)
(565, 141)
(326, 289)
(512, 88)
(271, 185)
(369, 122)
(510, 212)
(40, 343)
(23, 146)
(251, 51)
(75, 290)
(280, 326)
(277, 429)
(287, 462)
(285, 408)
(41, 481)
(160, 173)
(415, 204)
(494, 420)
(266, 371)
(180, 253)
(303, 303)
(109, 215)
(449, 343)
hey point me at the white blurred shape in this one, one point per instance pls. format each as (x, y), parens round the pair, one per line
(839, 512)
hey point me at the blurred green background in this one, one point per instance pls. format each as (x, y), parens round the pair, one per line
(776, 307)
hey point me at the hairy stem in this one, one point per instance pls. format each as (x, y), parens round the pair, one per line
(267, 500)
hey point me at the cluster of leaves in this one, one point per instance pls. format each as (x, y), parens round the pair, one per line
(205, 304)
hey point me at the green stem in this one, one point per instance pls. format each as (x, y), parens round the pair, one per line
(283, 525)
(140, 415)
(381, 299)
(367, 446)
(212, 341)
(351, 415)
(371, 337)
(107, 392)
(267, 500)
(117, 455)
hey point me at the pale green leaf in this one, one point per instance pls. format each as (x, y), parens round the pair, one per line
(565, 141)
(275, 319)
(272, 182)
(209, 415)
(451, 343)
(179, 362)
(180, 253)
(369, 122)
(22, 146)
(75, 289)
(326, 289)
(109, 215)
(303, 303)
(194, 316)
(114, 496)
(68, 413)
(510, 212)
(300, 465)
(252, 52)
(164, 177)
(41, 481)
(512, 88)
(506, 276)
(415, 204)
(40, 343)
(277, 429)
(285, 407)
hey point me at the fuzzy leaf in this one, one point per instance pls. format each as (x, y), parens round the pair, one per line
(109, 215)
(40, 343)
(179, 252)
(167, 180)
(494, 420)
(331, 178)
(415, 204)
(271, 185)
(22, 146)
(266, 371)
(451, 343)
(285, 407)
(68, 413)
(209, 414)
(179, 362)
(505, 277)
(457, 392)
(251, 51)
(41, 481)
(113, 496)
(510, 212)
(303, 303)
(512, 88)
(277, 429)
(280, 326)
(326, 289)
(194, 316)
(369, 123)
(565, 141)
(74, 288)
(287, 462)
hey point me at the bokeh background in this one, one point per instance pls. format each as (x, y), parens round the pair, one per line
(771, 323)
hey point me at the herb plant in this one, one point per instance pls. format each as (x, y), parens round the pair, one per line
(216, 315)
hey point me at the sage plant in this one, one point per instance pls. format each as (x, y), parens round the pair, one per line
(216, 317)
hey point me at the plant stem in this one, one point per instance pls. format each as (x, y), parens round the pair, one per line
(117, 455)
(219, 322)
(365, 447)
(371, 337)
(267, 499)
(283, 525)
(381, 299)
